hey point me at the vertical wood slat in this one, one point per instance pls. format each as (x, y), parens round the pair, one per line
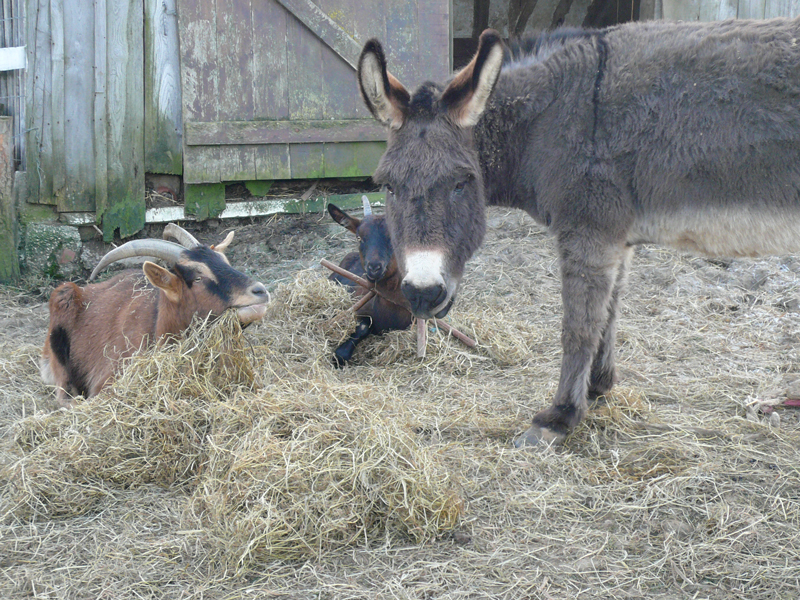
(163, 132)
(270, 61)
(125, 208)
(304, 54)
(235, 64)
(37, 123)
(100, 128)
(56, 77)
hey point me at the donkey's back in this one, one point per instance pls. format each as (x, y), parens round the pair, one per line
(703, 121)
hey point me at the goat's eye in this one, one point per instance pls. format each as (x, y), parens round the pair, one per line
(198, 279)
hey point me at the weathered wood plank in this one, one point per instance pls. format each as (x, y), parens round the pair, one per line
(235, 59)
(325, 28)
(125, 119)
(307, 161)
(237, 163)
(351, 159)
(282, 132)
(270, 61)
(78, 103)
(339, 87)
(100, 100)
(272, 162)
(435, 39)
(305, 65)
(199, 60)
(38, 104)
(402, 41)
(201, 164)
(163, 120)
(781, 8)
(9, 261)
(749, 9)
(56, 78)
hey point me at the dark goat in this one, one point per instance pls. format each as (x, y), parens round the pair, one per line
(92, 328)
(375, 261)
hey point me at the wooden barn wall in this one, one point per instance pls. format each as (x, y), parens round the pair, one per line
(269, 87)
(715, 10)
(101, 87)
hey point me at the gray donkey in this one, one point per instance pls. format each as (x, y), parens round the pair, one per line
(683, 134)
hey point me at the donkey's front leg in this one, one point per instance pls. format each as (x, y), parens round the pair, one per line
(589, 274)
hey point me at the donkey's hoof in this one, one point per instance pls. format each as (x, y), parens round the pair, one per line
(538, 436)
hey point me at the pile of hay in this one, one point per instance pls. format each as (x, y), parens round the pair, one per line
(208, 464)
(274, 464)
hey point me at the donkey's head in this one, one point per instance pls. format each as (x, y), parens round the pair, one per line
(435, 197)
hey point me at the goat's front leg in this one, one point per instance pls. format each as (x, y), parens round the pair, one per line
(589, 271)
(344, 352)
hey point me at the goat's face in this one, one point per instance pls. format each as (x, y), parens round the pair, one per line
(203, 282)
(374, 242)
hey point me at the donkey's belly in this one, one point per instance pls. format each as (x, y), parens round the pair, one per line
(725, 233)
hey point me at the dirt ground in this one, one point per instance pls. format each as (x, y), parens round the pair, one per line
(686, 484)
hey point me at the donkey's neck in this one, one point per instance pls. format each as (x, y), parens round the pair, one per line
(508, 137)
(503, 137)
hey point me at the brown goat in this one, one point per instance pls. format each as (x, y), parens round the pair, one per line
(374, 260)
(93, 328)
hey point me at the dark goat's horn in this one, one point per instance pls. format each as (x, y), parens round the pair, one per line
(183, 237)
(367, 207)
(169, 252)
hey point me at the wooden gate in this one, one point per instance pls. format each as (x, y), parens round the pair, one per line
(102, 107)
(269, 87)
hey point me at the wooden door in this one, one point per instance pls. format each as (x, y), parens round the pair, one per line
(269, 86)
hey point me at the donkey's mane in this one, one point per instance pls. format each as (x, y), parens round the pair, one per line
(534, 48)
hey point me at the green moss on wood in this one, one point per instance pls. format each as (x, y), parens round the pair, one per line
(258, 188)
(204, 200)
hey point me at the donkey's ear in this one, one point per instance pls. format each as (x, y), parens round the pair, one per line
(385, 97)
(466, 96)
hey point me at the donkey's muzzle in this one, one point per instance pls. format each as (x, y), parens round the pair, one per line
(426, 300)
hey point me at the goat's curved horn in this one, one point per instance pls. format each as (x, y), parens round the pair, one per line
(167, 251)
(367, 207)
(183, 237)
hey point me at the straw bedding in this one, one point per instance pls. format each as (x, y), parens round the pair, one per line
(238, 464)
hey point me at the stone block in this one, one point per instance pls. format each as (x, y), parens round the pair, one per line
(53, 250)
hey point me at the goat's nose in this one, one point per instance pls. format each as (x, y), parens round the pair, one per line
(423, 300)
(374, 271)
(259, 290)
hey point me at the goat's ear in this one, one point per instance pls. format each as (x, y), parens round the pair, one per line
(223, 245)
(343, 219)
(160, 277)
(386, 98)
(466, 96)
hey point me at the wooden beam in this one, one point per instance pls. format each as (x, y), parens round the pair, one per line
(325, 29)
(225, 133)
(9, 261)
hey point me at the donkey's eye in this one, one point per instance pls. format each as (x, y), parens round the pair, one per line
(459, 189)
(388, 189)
